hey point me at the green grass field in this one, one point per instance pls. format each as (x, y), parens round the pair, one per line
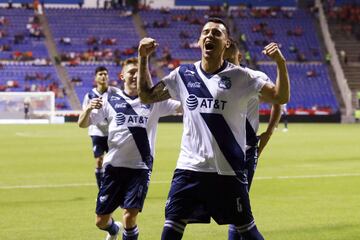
(307, 185)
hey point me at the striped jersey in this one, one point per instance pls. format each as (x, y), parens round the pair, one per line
(252, 114)
(132, 128)
(101, 128)
(215, 107)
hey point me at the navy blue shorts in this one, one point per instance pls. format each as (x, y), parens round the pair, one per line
(251, 163)
(198, 196)
(124, 187)
(100, 145)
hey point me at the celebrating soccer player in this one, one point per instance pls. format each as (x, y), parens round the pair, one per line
(128, 164)
(98, 132)
(210, 179)
(254, 144)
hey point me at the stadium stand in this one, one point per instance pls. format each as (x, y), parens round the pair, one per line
(108, 36)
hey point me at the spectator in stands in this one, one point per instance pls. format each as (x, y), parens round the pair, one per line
(19, 38)
(288, 14)
(92, 41)
(248, 58)
(184, 34)
(314, 51)
(5, 48)
(109, 41)
(65, 41)
(3, 33)
(293, 48)
(301, 57)
(328, 58)
(343, 56)
(298, 31)
(164, 10)
(4, 20)
(311, 73)
(77, 81)
(166, 55)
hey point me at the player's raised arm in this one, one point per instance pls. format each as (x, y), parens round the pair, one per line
(84, 118)
(147, 92)
(280, 93)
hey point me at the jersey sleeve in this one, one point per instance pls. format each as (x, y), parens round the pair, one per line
(172, 84)
(85, 101)
(257, 81)
(168, 107)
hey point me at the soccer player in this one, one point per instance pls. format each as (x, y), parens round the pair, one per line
(284, 117)
(210, 179)
(128, 164)
(253, 146)
(98, 132)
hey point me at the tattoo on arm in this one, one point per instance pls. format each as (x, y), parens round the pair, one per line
(159, 93)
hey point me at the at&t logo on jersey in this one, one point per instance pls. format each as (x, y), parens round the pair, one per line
(121, 119)
(192, 102)
(224, 83)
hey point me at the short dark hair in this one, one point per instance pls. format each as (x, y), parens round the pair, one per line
(219, 21)
(100, 69)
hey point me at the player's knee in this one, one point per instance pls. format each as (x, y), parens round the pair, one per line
(101, 222)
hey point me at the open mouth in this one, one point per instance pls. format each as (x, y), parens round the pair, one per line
(209, 46)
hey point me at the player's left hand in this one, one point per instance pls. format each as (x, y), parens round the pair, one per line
(272, 50)
(264, 139)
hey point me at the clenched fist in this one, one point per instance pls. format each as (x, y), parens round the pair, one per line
(147, 46)
(272, 50)
(95, 103)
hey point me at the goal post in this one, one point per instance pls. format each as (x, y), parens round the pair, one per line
(27, 107)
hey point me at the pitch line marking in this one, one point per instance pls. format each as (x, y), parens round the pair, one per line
(163, 182)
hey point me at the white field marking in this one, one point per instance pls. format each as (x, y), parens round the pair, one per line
(164, 182)
(34, 135)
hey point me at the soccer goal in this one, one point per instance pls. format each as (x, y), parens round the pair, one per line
(27, 107)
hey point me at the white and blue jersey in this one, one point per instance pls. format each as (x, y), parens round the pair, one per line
(252, 114)
(101, 128)
(215, 108)
(132, 128)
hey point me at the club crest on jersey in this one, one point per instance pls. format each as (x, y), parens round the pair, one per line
(225, 82)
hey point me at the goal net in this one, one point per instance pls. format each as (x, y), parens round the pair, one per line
(27, 107)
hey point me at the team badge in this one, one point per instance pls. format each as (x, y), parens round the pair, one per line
(225, 82)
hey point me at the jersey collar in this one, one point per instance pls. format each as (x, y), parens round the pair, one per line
(210, 75)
